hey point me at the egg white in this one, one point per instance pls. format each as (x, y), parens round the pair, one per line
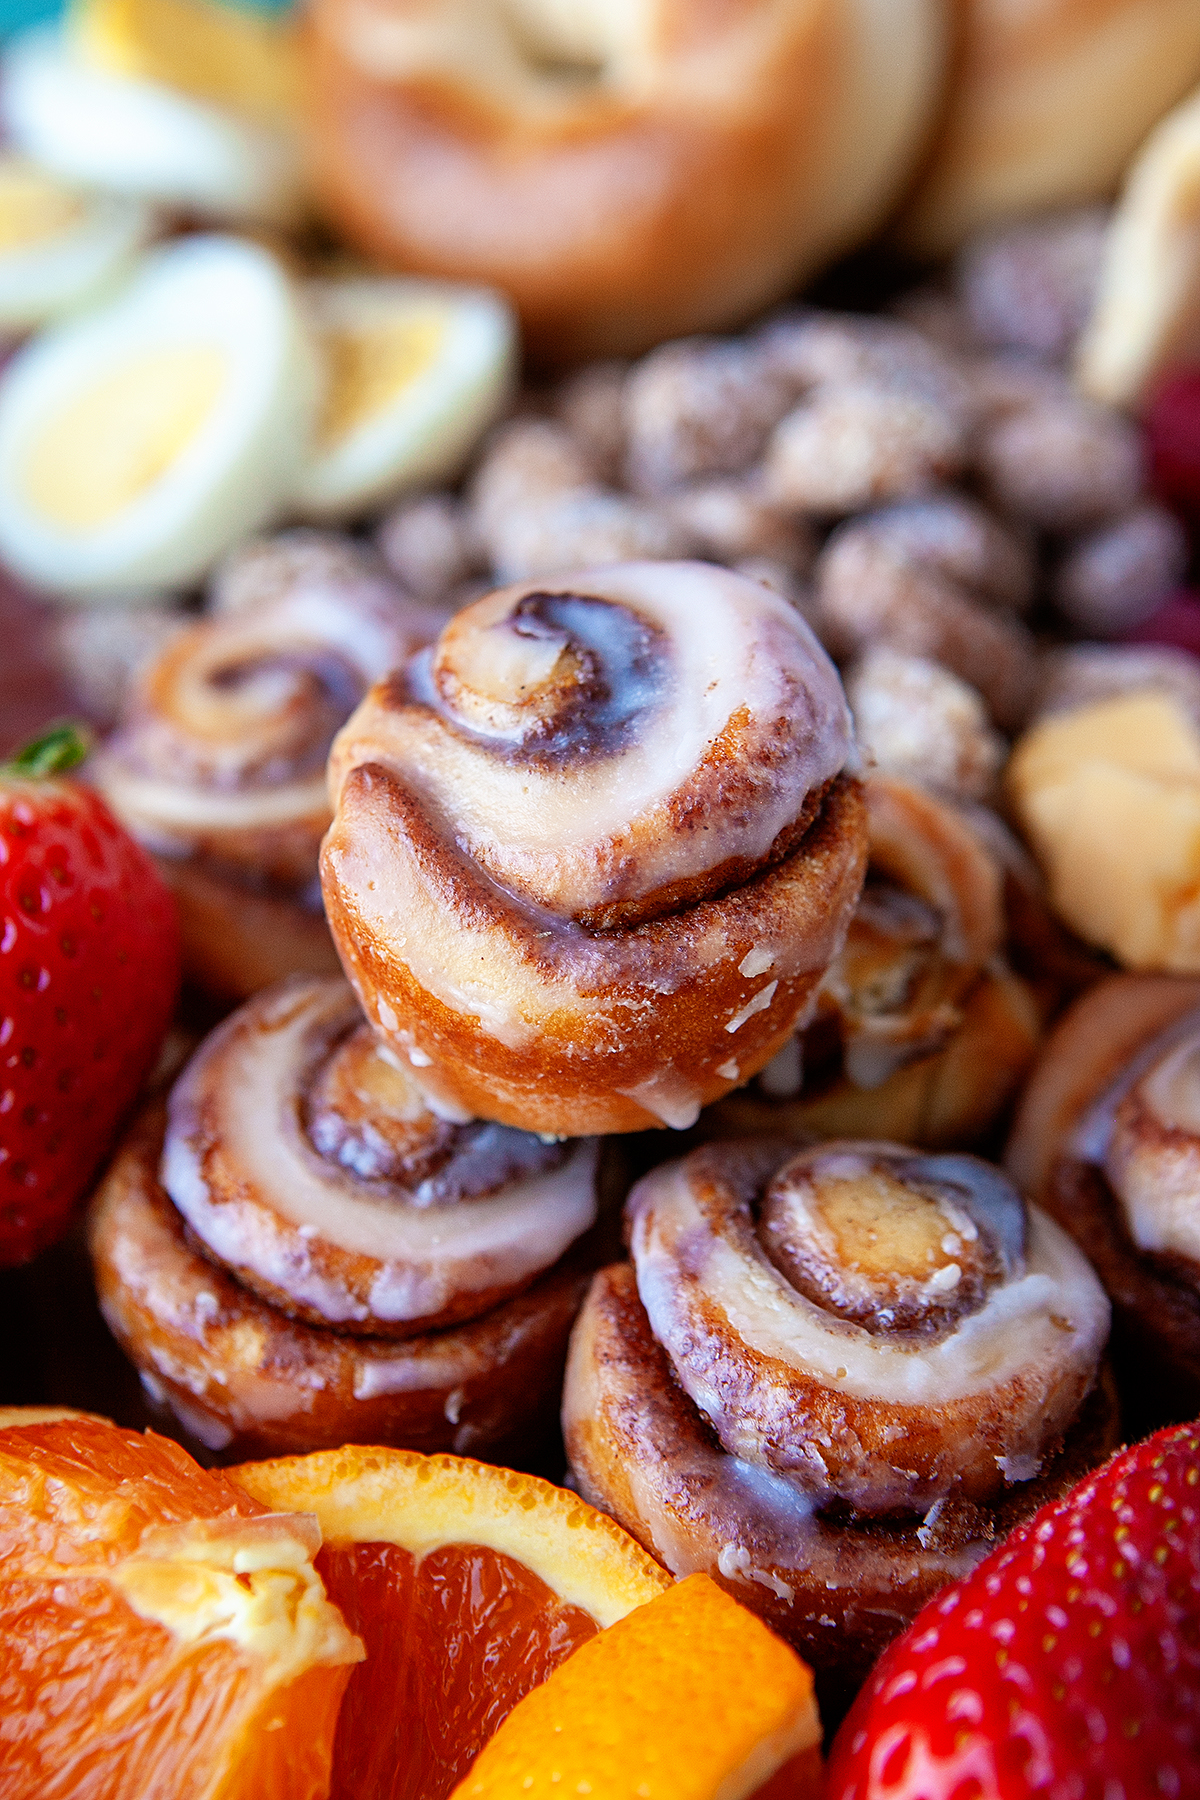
(422, 428)
(84, 244)
(197, 305)
(141, 138)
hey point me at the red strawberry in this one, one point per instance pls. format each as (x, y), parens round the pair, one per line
(89, 969)
(1067, 1666)
(1172, 424)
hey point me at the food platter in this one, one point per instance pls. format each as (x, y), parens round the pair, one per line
(599, 941)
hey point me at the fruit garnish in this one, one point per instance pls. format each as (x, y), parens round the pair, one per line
(164, 1635)
(89, 969)
(417, 371)
(1176, 623)
(467, 1583)
(1172, 423)
(141, 439)
(688, 1698)
(1066, 1665)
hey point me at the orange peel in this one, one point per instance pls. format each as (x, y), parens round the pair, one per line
(690, 1697)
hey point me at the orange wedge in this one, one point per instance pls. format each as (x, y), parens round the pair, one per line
(688, 1698)
(468, 1584)
(162, 1633)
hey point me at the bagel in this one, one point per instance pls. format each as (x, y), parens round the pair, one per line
(1047, 102)
(627, 173)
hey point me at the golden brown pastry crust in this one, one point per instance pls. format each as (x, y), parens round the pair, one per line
(989, 1021)
(727, 150)
(1046, 103)
(1156, 1307)
(682, 794)
(238, 939)
(838, 1591)
(218, 764)
(248, 1381)
(308, 1164)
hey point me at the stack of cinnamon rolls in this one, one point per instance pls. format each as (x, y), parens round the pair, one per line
(597, 858)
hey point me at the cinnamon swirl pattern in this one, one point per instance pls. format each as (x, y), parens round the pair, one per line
(833, 1376)
(303, 1254)
(921, 1031)
(593, 850)
(219, 765)
(1108, 1139)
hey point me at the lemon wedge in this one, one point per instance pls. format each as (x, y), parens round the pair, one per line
(131, 135)
(417, 370)
(141, 440)
(60, 246)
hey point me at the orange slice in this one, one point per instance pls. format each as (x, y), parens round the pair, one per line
(468, 1584)
(163, 1633)
(688, 1698)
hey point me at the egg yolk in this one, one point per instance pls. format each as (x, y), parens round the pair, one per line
(115, 439)
(236, 54)
(32, 207)
(370, 367)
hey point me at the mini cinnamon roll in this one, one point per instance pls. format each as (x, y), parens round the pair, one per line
(302, 1254)
(219, 765)
(593, 850)
(921, 1031)
(1108, 1140)
(832, 1377)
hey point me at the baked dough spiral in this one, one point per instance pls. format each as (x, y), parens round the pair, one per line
(627, 173)
(219, 765)
(832, 1376)
(593, 850)
(1046, 103)
(921, 1031)
(1108, 1139)
(301, 1252)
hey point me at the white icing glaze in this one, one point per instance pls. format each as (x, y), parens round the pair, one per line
(1146, 1132)
(205, 753)
(245, 1087)
(571, 832)
(1054, 1313)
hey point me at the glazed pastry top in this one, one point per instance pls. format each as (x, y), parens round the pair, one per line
(225, 741)
(883, 1327)
(616, 744)
(1144, 1132)
(308, 1159)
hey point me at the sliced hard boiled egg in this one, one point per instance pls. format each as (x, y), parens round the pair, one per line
(139, 442)
(60, 246)
(131, 136)
(241, 53)
(417, 370)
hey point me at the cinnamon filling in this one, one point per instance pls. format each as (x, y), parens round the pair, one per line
(1144, 1133)
(873, 1242)
(561, 676)
(365, 1112)
(882, 1328)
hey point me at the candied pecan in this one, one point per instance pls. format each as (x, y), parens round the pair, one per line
(886, 579)
(916, 720)
(591, 404)
(1062, 465)
(428, 545)
(263, 570)
(1081, 674)
(580, 529)
(731, 520)
(1030, 286)
(854, 445)
(700, 406)
(1115, 576)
